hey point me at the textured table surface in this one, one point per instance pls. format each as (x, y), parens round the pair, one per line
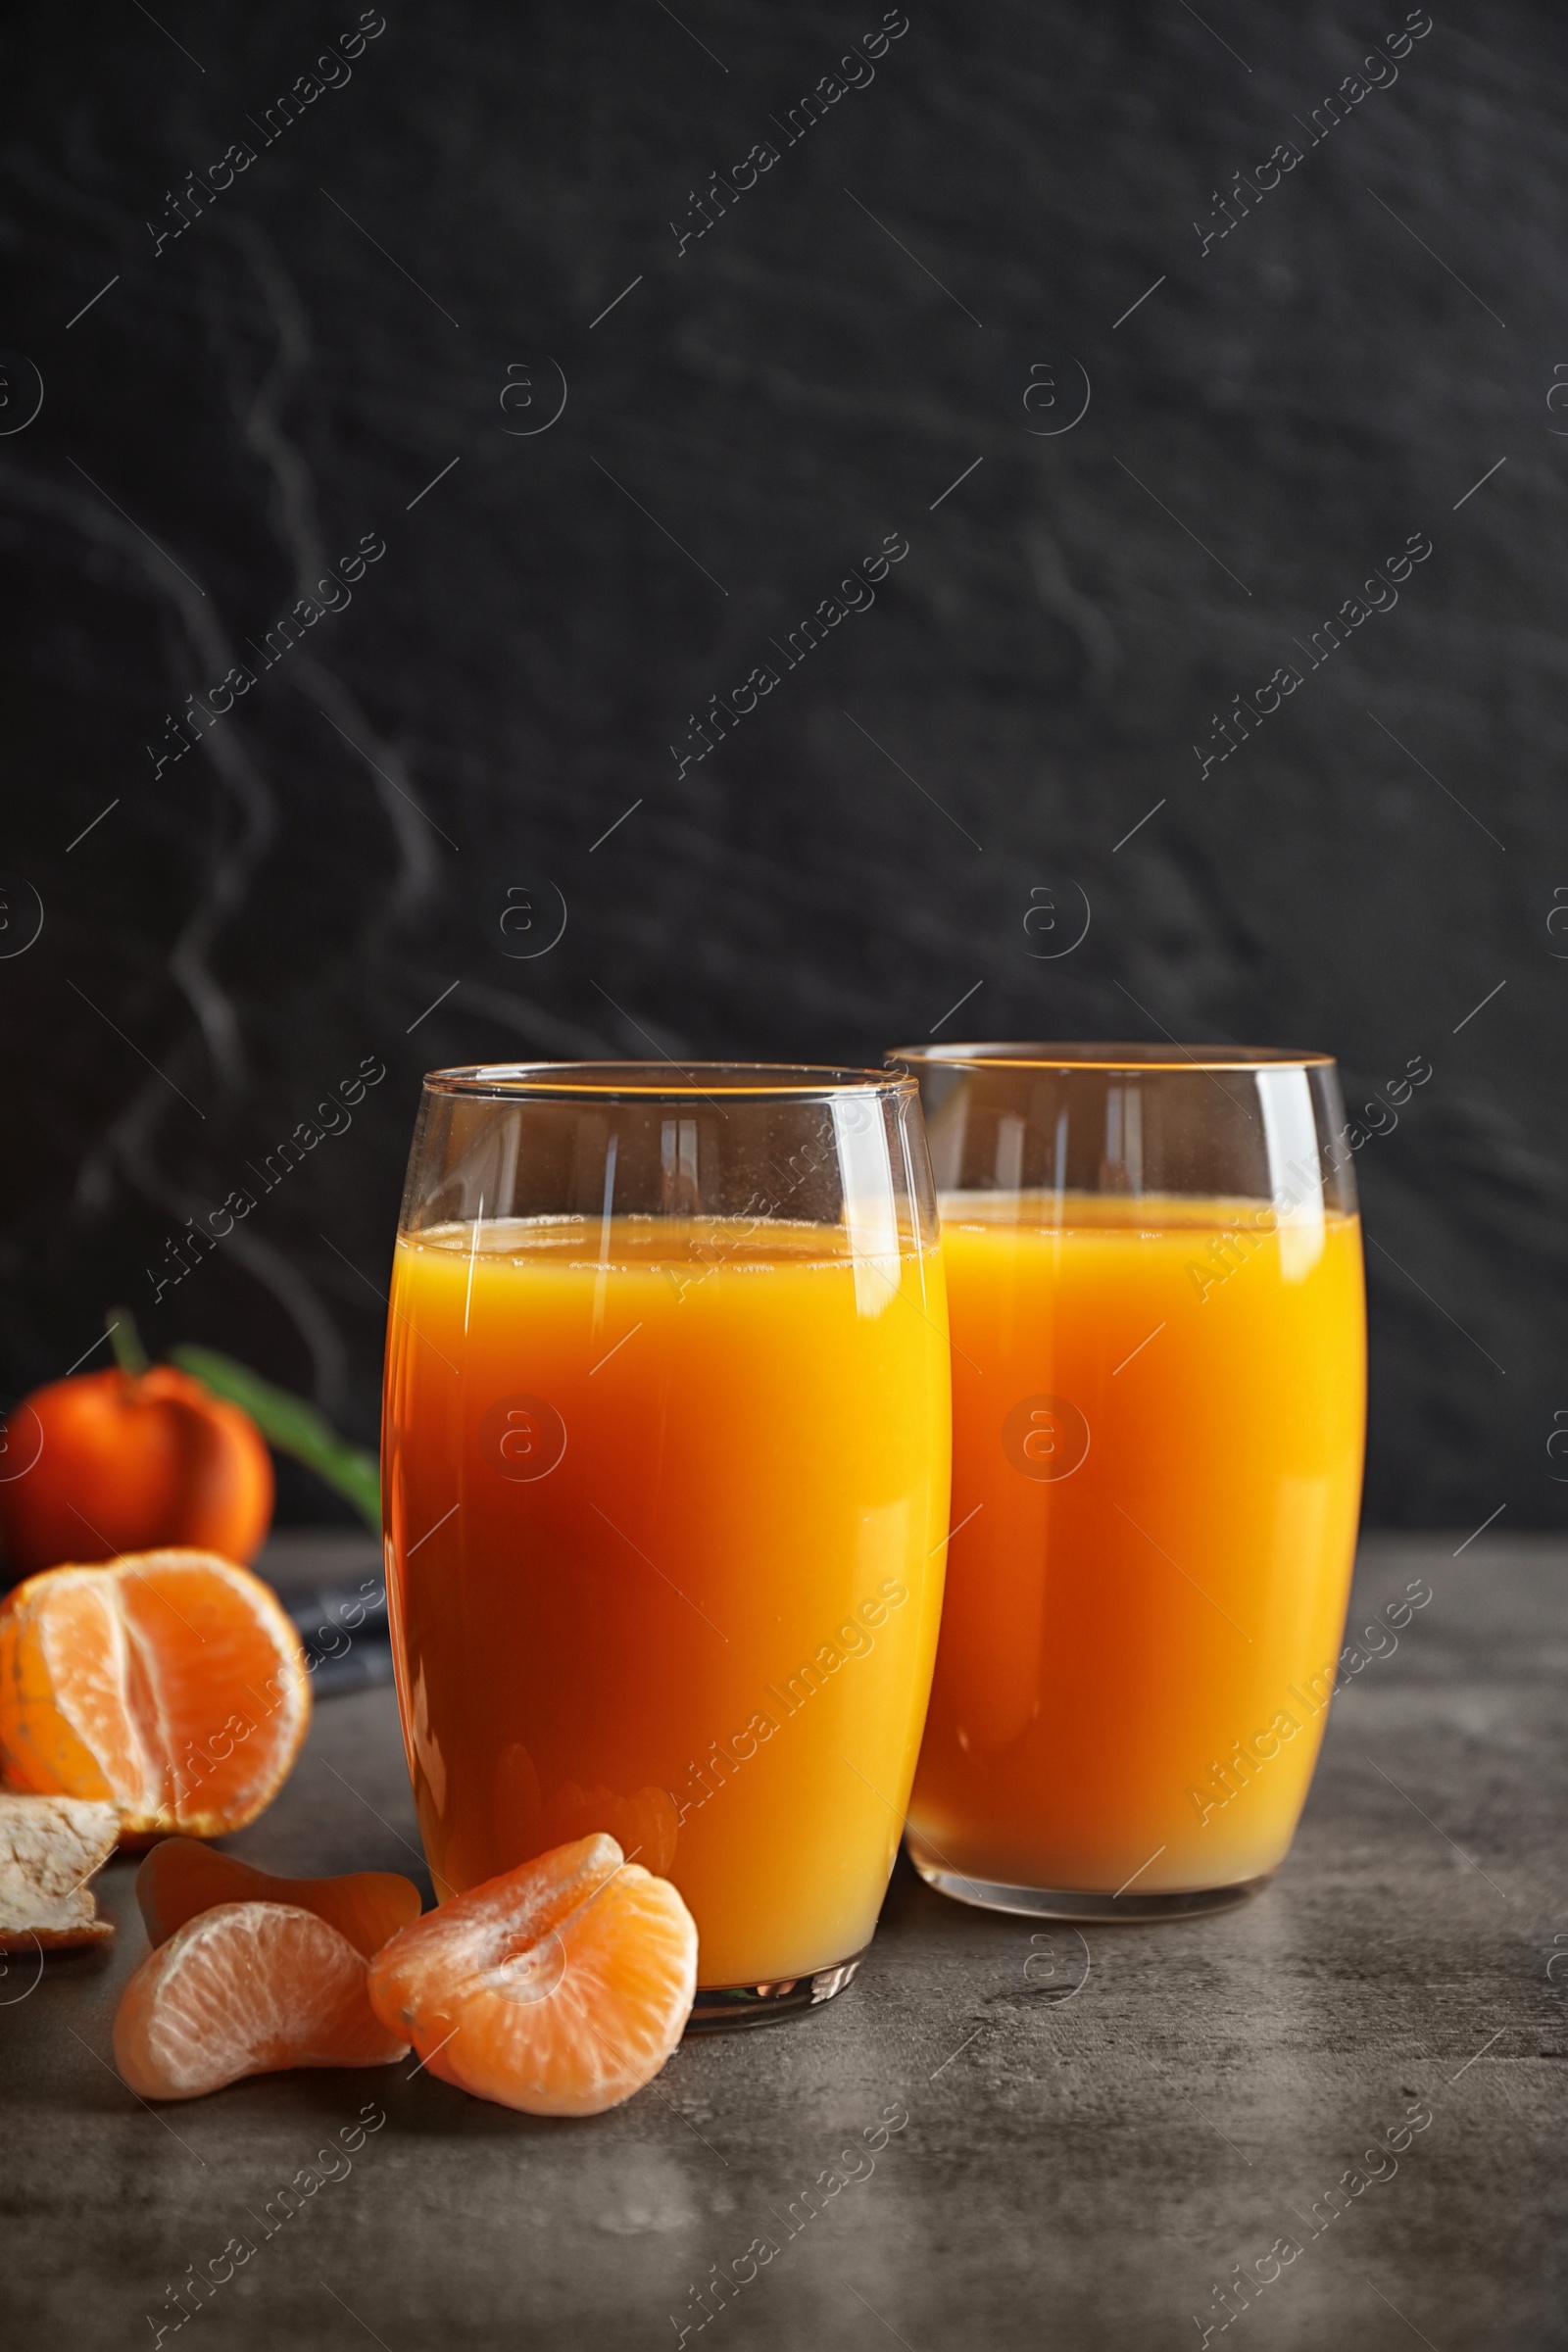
(1097, 2130)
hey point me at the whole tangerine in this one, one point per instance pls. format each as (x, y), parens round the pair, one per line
(124, 1461)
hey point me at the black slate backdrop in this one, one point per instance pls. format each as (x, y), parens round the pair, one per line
(341, 384)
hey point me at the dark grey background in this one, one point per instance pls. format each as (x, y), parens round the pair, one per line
(1280, 413)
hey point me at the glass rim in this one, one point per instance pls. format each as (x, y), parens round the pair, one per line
(661, 1081)
(1098, 1055)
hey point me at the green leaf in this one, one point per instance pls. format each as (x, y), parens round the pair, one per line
(292, 1425)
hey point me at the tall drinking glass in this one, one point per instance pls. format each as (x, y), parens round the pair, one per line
(1154, 1280)
(666, 1444)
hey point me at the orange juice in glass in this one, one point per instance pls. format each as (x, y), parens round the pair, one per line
(1156, 1290)
(666, 1447)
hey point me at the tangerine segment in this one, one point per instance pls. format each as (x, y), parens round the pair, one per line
(170, 1683)
(246, 1989)
(560, 1987)
(180, 1879)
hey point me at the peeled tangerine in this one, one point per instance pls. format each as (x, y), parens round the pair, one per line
(180, 1879)
(246, 1988)
(560, 1987)
(167, 1684)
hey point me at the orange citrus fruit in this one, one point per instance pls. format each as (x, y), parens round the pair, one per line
(560, 1987)
(169, 1683)
(180, 1879)
(246, 1989)
(129, 1460)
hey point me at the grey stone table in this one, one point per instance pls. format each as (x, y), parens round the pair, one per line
(1086, 2156)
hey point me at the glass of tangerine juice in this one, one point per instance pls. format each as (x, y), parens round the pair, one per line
(667, 1447)
(1154, 1280)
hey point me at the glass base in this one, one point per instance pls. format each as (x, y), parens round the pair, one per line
(722, 2008)
(1079, 1903)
